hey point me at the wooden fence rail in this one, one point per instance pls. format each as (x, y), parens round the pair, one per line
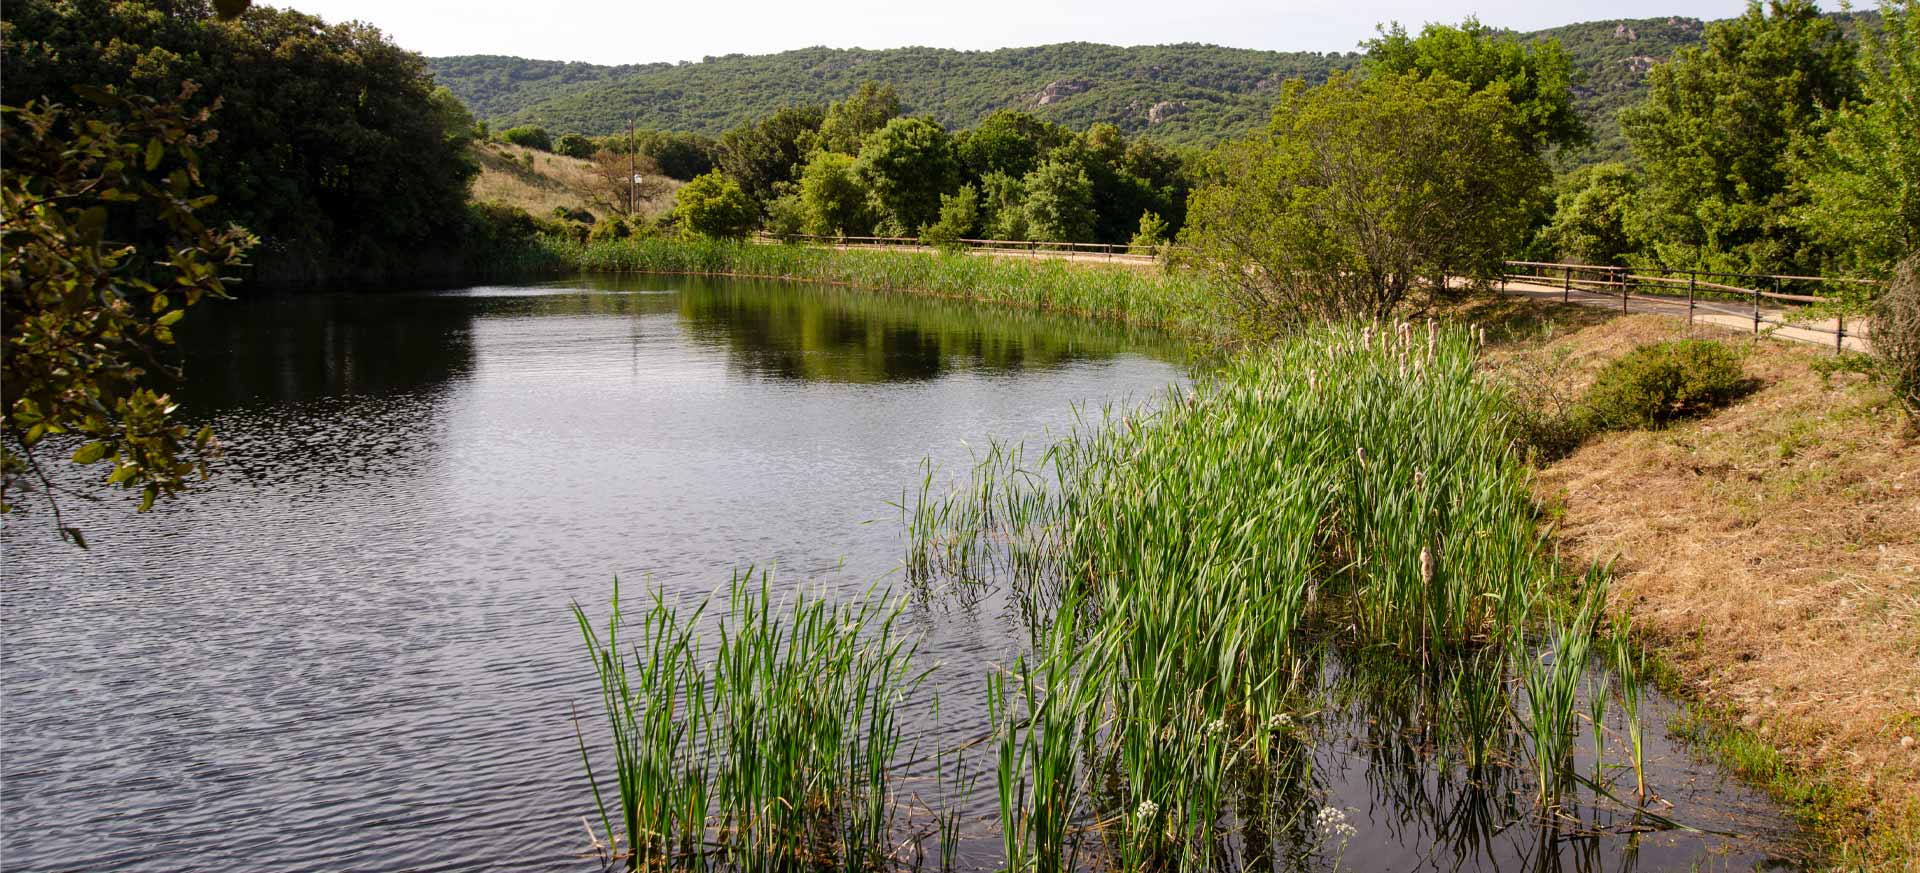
(1738, 294)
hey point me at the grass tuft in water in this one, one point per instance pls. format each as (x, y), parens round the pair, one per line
(774, 748)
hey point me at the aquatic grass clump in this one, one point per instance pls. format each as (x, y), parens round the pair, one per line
(1552, 679)
(1352, 477)
(775, 748)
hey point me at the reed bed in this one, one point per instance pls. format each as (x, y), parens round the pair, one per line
(1148, 298)
(1354, 478)
(1336, 527)
(774, 748)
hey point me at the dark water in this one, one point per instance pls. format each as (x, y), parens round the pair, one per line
(353, 650)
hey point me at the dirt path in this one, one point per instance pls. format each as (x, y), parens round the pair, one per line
(1715, 312)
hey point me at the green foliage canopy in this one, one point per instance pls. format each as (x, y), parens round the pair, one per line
(849, 121)
(1360, 192)
(333, 148)
(834, 202)
(1862, 179)
(1591, 215)
(85, 313)
(905, 167)
(528, 136)
(1059, 204)
(762, 155)
(715, 207)
(1536, 76)
(1714, 137)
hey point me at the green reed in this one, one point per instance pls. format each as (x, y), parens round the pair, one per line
(1552, 679)
(1352, 476)
(1629, 664)
(1146, 297)
(773, 749)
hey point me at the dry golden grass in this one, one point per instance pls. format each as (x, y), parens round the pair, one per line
(1772, 552)
(551, 181)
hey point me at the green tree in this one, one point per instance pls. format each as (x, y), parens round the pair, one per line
(1714, 132)
(905, 167)
(1590, 215)
(959, 215)
(1010, 142)
(850, 121)
(761, 155)
(714, 206)
(1059, 206)
(1862, 180)
(1537, 77)
(786, 216)
(85, 310)
(1003, 206)
(574, 145)
(680, 156)
(1360, 193)
(1151, 235)
(835, 202)
(528, 136)
(335, 146)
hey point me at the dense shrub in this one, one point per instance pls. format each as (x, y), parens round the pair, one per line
(528, 137)
(1896, 336)
(1656, 385)
(574, 145)
(611, 229)
(1543, 412)
(715, 207)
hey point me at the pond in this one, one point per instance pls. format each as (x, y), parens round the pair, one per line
(353, 649)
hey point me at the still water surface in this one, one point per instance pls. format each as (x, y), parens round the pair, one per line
(353, 650)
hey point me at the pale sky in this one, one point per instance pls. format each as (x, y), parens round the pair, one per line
(616, 32)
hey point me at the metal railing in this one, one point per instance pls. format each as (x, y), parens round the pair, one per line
(1765, 300)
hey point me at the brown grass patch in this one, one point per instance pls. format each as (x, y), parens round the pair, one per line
(1772, 552)
(552, 181)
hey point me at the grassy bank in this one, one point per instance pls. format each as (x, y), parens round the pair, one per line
(1147, 298)
(1768, 554)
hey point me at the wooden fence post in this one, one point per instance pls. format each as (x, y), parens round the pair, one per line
(1692, 277)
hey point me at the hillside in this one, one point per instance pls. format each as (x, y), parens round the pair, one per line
(1184, 93)
(539, 181)
(1180, 94)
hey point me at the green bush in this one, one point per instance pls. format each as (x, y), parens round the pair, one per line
(528, 137)
(1656, 385)
(714, 206)
(610, 229)
(786, 216)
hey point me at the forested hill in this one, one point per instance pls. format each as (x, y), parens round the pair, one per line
(1185, 93)
(1196, 94)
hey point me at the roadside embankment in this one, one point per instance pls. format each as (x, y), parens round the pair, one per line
(1771, 553)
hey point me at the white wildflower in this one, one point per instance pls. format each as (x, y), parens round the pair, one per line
(1331, 822)
(1146, 811)
(1279, 721)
